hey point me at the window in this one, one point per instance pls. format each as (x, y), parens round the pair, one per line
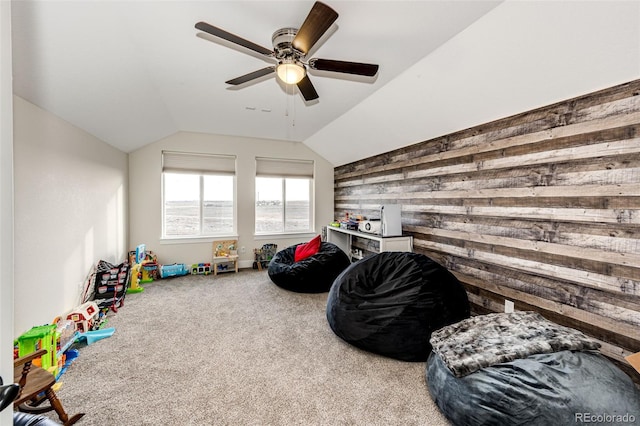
(198, 195)
(284, 196)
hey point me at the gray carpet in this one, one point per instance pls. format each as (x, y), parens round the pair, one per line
(237, 350)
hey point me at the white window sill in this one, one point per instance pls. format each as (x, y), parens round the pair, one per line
(196, 240)
(286, 235)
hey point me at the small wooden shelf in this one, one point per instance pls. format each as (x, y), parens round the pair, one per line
(225, 253)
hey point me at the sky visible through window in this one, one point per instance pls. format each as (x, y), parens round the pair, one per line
(182, 187)
(269, 189)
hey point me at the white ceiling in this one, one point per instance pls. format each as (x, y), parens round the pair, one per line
(133, 72)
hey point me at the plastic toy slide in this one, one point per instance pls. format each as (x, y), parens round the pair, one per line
(95, 335)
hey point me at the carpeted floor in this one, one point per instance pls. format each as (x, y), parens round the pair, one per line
(237, 350)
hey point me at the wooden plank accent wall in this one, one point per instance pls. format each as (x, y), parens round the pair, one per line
(541, 208)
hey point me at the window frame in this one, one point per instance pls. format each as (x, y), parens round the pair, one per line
(296, 169)
(194, 168)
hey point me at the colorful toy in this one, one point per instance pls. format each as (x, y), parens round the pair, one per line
(264, 255)
(174, 270)
(136, 275)
(95, 335)
(84, 316)
(140, 253)
(40, 337)
(67, 358)
(65, 335)
(201, 269)
(224, 255)
(149, 271)
(144, 268)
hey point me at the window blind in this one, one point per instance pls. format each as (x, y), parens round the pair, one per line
(186, 162)
(275, 167)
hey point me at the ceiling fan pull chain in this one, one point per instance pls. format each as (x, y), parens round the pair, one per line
(293, 108)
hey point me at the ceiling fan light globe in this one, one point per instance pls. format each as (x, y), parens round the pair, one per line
(291, 73)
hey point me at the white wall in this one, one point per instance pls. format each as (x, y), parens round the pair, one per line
(520, 56)
(6, 204)
(145, 196)
(70, 212)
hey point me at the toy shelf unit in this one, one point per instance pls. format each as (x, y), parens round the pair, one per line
(225, 256)
(357, 244)
(264, 255)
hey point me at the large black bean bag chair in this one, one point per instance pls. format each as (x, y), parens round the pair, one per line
(27, 419)
(561, 388)
(391, 302)
(315, 274)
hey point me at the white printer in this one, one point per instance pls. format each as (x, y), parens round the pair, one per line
(371, 226)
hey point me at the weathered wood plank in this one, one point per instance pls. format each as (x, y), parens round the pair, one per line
(627, 259)
(537, 291)
(628, 277)
(524, 177)
(589, 151)
(542, 207)
(528, 138)
(622, 190)
(600, 281)
(614, 216)
(558, 114)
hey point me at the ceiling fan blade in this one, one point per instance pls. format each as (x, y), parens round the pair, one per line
(306, 88)
(218, 32)
(357, 68)
(251, 76)
(314, 26)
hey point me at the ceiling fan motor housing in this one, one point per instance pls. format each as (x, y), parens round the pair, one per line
(282, 39)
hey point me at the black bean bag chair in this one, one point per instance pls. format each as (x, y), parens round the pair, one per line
(391, 302)
(27, 419)
(315, 274)
(561, 388)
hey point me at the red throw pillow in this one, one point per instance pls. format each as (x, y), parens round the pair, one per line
(307, 249)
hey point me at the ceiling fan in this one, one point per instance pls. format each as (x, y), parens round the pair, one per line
(290, 47)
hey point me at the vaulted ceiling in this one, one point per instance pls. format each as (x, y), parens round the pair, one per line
(132, 72)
